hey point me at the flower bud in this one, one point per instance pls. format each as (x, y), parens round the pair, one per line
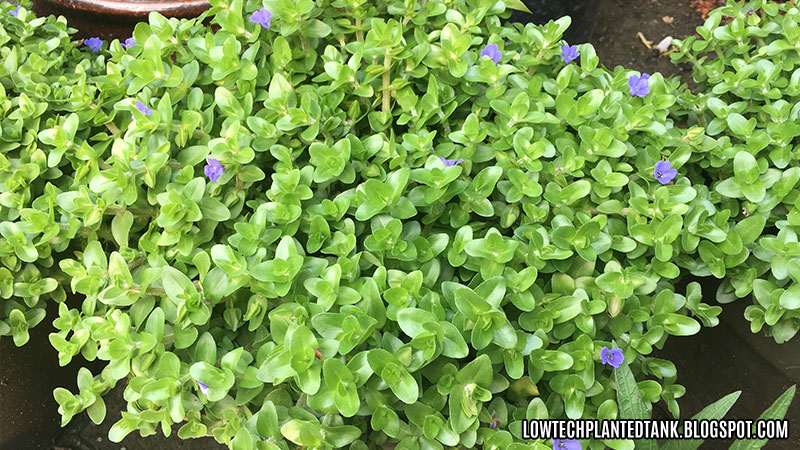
(615, 306)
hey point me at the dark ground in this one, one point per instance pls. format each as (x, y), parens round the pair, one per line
(617, 43)
(716, 362)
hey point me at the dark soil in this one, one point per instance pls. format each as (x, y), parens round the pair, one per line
(618, 44)
(729, 358)
(27, 409)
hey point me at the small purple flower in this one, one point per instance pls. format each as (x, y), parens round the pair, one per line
(213, 169)
(203, 388)
(664, 172)
(639, 85)
(262, 17)
(611, 357)
(130, 42)
(493, 52)
(93, 43)
(751, 11)
(16, 11)
(451, 162)
(143, 108)
(569, 53)
(566, 444)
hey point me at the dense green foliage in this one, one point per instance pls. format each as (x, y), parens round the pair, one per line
(748, 104)
(339, 285)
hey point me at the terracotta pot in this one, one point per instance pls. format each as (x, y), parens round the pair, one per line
(109, 19)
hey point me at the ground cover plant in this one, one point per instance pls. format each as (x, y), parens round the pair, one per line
(351, 224)
(747, 101)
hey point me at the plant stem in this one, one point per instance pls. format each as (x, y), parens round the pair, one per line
(359, 33)
(387, 66)
(198, 133)
(112, 128)
(136, 263)
(88, 231)
(624, 211)
(116, 209)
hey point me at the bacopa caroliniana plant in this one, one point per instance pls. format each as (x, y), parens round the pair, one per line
(747, 117)
(349, 223)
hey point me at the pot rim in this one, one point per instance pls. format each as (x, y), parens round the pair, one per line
(135, 7)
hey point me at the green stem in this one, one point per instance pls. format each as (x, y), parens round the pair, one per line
(445, 123)
(116, 210)
(198, 133)
(112, 128)
(387, 67)
(625, 211)
(136, 262)
(359, 33)
(135, 288)
(171, 164)
(88, 231)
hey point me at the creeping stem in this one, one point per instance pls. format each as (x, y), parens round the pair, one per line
(135, 211)
(387, 63)
(359, 33)
(623, 212)
(112, 128)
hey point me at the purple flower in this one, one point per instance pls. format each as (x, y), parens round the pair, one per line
(493, 52)
(143, 108)
(611, 357)
(93, 43)
(638, 85)
(566, 444)
(569, 53)
(751, 11)
(130, 42)
(213, 169)
(16, 11)
(451, 162)
(664, 172)
(203, 388)
(262, 17)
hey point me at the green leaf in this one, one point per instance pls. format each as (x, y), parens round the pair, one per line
(469, 303)
(176, 284)
(401, 383)
(777, 411)
(316, 29)
(518, 5)
(750, 228)
(159, 390)
(301, 432)
(630, 401)
(477, 371)
(677, 324)
(745, 168)
(575, 192)
(790, 299)
(121, 226)
(739, 125)
(412, 320)
(714, 411)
